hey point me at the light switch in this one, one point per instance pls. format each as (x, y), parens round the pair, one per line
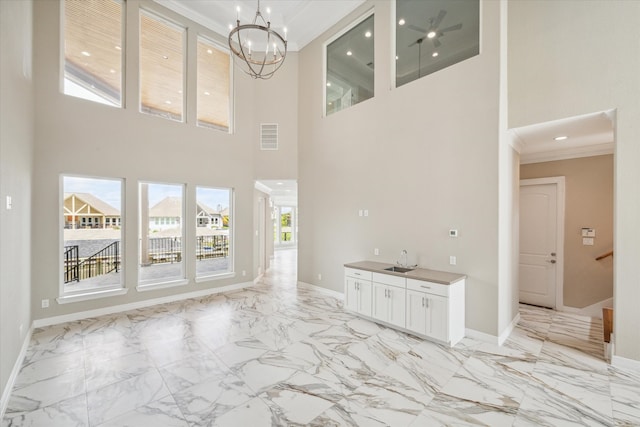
(366, 212)
(360, 212)
(9, 203)
(587, 241)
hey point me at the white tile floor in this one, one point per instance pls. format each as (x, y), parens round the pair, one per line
(278, 355)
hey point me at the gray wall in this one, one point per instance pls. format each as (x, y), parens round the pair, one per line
(588, 203)
(560, 67)
(422, 158)
(16, 168)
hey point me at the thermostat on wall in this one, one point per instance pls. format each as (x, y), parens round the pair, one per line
(588, 232)
(453, 233)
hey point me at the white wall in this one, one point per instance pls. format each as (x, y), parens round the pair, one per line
(75, 136)
(16, 167)
(560, 67)
(422, 159)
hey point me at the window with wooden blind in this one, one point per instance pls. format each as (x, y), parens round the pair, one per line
(93, 49)
(214, 77)
(162, 57)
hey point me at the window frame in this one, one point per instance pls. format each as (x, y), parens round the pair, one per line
(370, 12)
(176, 24)
(231, 269)
(148, 285)
(65, 296)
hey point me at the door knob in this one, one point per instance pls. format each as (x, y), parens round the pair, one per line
(552, 261)
(553, 254)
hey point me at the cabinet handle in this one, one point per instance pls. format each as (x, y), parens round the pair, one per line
(426, 302)
(423, 301)
(425, 287)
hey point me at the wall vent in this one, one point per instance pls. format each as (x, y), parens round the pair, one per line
(268, 136)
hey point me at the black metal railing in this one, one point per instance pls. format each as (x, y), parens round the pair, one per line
(165, 249)
(71, 261)
(102, 262)
(212, 247)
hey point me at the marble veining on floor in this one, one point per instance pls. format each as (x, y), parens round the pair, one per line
(280, 355)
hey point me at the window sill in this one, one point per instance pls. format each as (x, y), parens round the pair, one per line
(66, 299)
(161, 285)
(228, 275)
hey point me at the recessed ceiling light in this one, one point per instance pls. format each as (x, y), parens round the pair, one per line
(367, 34)
(396, 57)
(280, 183)
(180, 91)
(209, 51)
(434, 54)
(112, 71)
(401, 21)
(85, 53)
(560, 138)
(328, 84)
(167, 102)
(349, 53)
(118, 48)
(165, 57)
(230, 27)
(207, 93)
(431, 34)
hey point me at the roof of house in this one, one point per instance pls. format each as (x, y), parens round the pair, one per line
(207, 209)
(168, 207)
(96, 203)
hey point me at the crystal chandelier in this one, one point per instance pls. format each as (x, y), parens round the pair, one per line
(260, 49)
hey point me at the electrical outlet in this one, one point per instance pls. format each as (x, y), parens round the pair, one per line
(452, 260)
(360, 212)
(319, 276)
(9, 203)
(244, 272)
(376, 251)
(366, 212)
(45, 303)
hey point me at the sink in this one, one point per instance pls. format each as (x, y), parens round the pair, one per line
(399, 269)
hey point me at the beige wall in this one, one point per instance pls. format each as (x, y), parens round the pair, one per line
(588, 203)
(16, 168)
(559, 67)
(422, 158)
(74, 136)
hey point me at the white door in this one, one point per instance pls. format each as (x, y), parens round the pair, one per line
(538, 244)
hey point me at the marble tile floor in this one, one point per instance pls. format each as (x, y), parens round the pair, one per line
(281, 355)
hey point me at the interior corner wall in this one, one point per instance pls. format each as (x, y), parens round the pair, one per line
(421, 158)
(75, 136)
(16, 168)
(553, 75)
(588, 203)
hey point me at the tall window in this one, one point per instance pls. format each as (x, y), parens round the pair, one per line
(213, 85)
(432, 35)
(161, 233)
(93, 49)
(285, 226)
(350, 67)
(92, 235)
(161, 67)
(213, 231)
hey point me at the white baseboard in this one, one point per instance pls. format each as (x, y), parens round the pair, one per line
(38, 323)
(330, 292)
(6, 393)
(258, 279)
(593, 310)
(624, 363)
(505, 334)
(481, 336)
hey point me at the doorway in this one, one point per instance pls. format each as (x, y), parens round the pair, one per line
(541, 263)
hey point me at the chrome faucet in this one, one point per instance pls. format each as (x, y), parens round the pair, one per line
(403, 258)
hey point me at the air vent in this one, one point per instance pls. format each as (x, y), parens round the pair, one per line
(268, 136)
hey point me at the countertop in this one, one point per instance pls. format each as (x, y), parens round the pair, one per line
(435, 276)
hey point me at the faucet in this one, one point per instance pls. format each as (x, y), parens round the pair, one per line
(403, 258)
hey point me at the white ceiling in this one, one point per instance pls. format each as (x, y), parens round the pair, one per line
(283, 192)
(588, 135)
(304, 19)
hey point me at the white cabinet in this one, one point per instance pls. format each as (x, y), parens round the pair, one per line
(430, 310)
(389, 299)
(436, 310)
(358, 292)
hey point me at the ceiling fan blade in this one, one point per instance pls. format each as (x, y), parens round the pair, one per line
(451, 28)
(436, 42)
(418, 29)
(439, 19)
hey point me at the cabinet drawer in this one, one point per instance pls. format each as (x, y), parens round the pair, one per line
(387, 279)
(358, 274)
(428, 287)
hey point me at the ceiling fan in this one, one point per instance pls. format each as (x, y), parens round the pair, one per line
(435, 32)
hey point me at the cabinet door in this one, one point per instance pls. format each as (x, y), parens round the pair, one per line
(437, 318)
(416, 315)
(351, 294)
(379, 306)
(396, 299)
(364, 291)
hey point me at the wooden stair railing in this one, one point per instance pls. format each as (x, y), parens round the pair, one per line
(603, 256)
